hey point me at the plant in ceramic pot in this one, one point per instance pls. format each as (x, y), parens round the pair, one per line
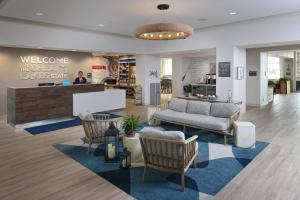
(187, 90)
(130, 123)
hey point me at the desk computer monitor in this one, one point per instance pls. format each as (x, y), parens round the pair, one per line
(66, 82)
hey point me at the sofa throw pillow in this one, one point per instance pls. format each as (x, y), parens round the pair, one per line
(198, 107)
(223, 110)
(178, 105)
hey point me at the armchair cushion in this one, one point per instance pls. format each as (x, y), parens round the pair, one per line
(169, 135)
(223, 110)
(178, 105)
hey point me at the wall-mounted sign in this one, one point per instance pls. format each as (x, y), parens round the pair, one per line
(252, 73)
(224, 69)
(99, 67)
(37, 67)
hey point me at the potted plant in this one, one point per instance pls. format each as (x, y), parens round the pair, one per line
(130, 123)
(284, 85)
(187, 90)
(271, 84)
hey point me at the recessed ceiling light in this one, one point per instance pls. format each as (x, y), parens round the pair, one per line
(202, 20)
(100, 25)
(233, 13)
(39, 13)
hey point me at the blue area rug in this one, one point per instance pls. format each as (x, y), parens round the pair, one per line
(217, 165)
(60, 125)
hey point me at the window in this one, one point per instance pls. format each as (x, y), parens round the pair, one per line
(166, 67)
(273, 68)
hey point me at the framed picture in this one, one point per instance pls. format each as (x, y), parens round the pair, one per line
(240, 73)
(252, 73)
(89, 75)
(224, 69)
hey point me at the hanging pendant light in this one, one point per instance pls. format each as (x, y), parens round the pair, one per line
(164, 31)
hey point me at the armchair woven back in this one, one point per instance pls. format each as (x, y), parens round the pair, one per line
(168, 155)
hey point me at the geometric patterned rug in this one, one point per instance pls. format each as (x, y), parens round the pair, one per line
(217, 165)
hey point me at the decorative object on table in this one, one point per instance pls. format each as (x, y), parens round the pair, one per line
(229, 96)
(252, 73)
(138, 95)
(240, 73)
(125, 159)
(224, 69)
(285, 85)
(244, 134)
(111, 143)
(164, 31)
(187, 90)
(130, 123)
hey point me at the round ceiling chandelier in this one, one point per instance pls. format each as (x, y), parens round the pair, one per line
(164, 31)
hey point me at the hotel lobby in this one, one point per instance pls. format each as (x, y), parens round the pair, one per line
(148, 100)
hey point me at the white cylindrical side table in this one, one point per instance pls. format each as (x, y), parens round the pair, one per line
(134, 146)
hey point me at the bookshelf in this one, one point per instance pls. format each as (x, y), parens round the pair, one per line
(127, 75)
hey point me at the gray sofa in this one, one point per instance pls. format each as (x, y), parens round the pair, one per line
(214, 117)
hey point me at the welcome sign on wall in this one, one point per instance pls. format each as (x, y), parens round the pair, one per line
(37, 67)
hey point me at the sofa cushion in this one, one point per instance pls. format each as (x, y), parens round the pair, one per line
(197, 120)
(169, 115)
(223, 110)
(207, 122)
(198, 107)
(178, 104)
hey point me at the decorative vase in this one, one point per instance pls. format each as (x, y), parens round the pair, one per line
(130, 134)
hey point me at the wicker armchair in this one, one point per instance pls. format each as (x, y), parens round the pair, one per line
(94, 126)
(167, 155)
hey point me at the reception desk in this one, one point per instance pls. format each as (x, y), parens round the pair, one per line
(92, 102)
(29, 104)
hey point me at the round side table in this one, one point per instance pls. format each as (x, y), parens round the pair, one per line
(134, 146)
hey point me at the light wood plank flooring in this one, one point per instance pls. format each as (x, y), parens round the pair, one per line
(30, 168)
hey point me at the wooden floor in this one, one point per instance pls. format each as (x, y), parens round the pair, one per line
(30, 168)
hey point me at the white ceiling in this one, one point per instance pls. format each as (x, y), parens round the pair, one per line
(123, 16)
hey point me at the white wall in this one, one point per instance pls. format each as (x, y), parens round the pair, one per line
(239, 93)
(200, 67)
(144, 65)
(263, 78)
(181, 66)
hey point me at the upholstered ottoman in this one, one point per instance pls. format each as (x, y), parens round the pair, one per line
(244, 134)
